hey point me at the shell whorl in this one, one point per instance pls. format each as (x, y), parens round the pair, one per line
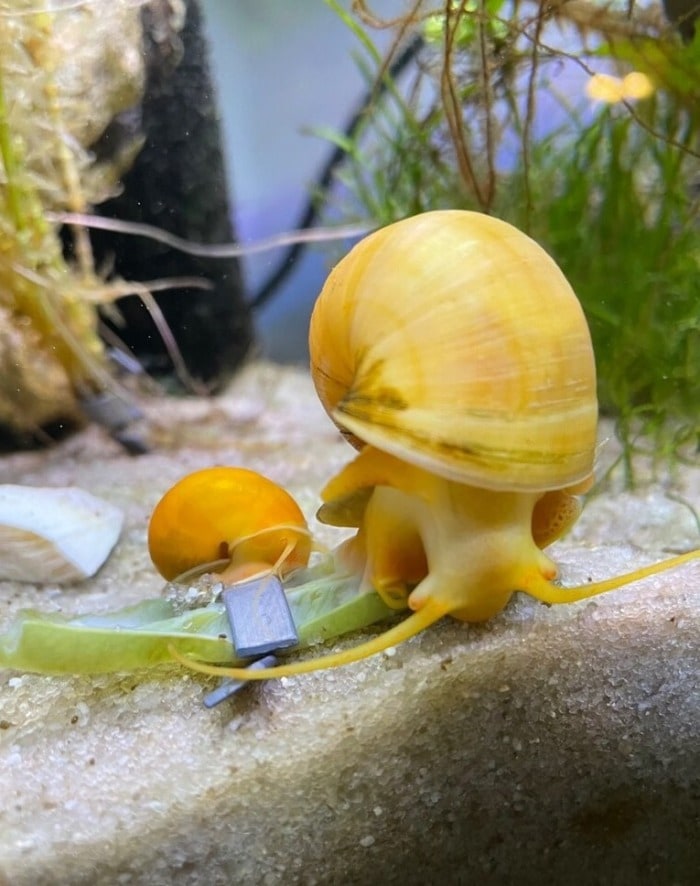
(453, 341)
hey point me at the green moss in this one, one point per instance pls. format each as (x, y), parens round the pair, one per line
(612, 206)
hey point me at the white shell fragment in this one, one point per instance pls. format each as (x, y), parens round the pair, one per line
(54, 535)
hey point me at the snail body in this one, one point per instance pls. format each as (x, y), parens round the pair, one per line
(228, 516)
(421, 531)
(452, 352)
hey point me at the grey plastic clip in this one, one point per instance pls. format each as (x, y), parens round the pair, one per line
(261, 621)
(259, 615)
(227, 688)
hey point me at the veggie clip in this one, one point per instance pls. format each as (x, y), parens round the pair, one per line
(452, 352)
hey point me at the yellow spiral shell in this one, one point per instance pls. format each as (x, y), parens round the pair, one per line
(454, 342)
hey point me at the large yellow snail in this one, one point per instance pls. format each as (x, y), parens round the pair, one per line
(450, 349)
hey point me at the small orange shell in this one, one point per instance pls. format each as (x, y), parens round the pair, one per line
(227, 513)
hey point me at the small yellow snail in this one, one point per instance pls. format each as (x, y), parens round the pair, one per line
(227, 514)
(450, 349)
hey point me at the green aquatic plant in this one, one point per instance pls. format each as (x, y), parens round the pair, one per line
(615, 211)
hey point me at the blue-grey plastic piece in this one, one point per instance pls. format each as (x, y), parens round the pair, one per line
(227, 688)
(260, 618)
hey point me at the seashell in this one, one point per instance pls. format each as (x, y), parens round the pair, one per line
(453, 341)
(51, 535)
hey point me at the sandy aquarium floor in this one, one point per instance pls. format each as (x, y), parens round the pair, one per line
(551, 745)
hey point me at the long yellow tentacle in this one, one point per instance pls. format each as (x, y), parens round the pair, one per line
(430, 613)
(545, 591)
(534, 584)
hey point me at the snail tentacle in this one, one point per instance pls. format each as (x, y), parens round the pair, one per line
(547, 592)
